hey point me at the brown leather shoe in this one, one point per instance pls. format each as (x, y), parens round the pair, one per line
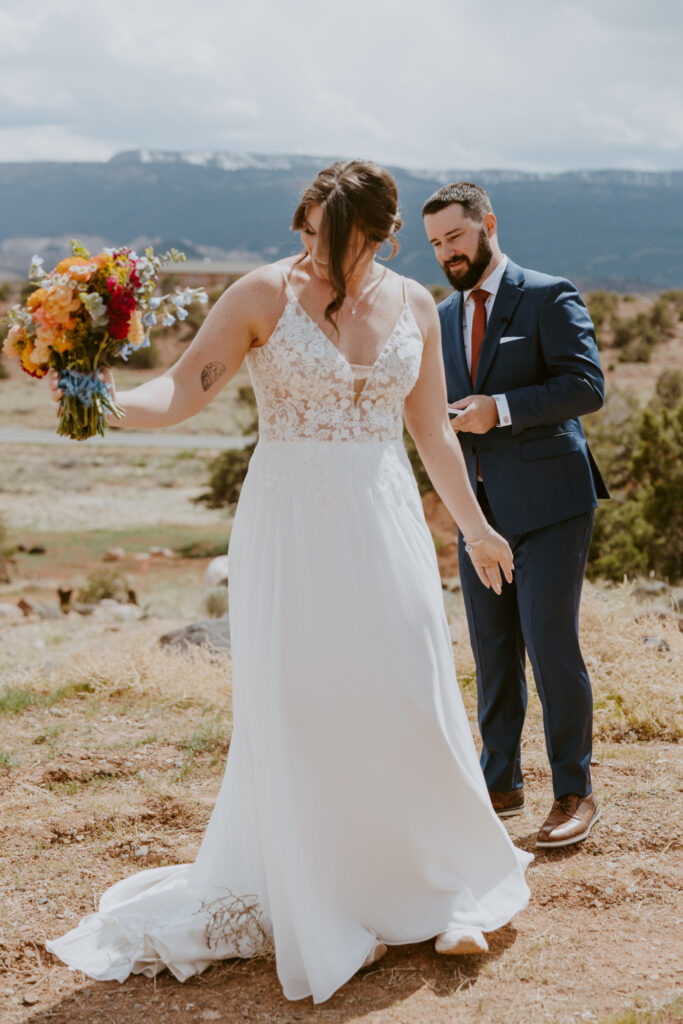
(570, 820)
(507, 804)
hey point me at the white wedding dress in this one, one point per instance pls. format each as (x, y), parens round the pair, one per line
(353, 809)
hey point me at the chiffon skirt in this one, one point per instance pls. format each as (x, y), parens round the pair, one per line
(353, 809)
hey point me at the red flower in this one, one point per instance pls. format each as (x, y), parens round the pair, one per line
(121, 306)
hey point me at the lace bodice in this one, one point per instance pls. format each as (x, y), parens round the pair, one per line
(305, 388)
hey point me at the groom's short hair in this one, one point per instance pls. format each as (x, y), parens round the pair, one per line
(471, 197)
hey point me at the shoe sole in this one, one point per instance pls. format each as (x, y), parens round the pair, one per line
(574, 839)
(510, 812)
(376, 954)
(463, 947)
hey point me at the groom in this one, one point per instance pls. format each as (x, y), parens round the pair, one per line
(521, 366)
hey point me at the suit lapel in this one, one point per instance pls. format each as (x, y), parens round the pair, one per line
(457, 374)
(509, 293)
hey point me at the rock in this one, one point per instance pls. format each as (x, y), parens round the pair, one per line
(216, 572)
(161, 553)
(64, 595)
(657, 642)
(30, 999)
(36, 549)
(114, 555)
(10, 613)
(677, 598)
(25, 606)
(48, 611)
(141, 851)
(108, 608)
(208, 633)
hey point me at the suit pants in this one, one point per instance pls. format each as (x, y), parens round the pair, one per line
(538, 614)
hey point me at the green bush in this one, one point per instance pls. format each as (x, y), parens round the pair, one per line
(641, 453)
(6, 552)
(101, 584)
(424, 484)
(602, 307)
(4, 372)
(228, 470)
(216, 602)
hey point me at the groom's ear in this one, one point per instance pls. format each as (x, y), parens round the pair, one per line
(490, 224)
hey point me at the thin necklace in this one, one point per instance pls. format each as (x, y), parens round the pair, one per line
(366, 291)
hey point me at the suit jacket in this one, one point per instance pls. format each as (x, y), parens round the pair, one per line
(539, 470)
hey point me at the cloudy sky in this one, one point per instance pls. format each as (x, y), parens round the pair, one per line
(533, 85)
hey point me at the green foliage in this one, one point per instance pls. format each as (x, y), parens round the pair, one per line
(216, 602)
(423, 482)
(203, 548)
(101, 584)
(228, 470)
(5, 291)
(602, 307)
(641, 453)
(6, 551)
(4, 372)
(636, 336)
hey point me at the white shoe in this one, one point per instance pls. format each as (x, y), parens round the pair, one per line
(375, 954)
(457, 941)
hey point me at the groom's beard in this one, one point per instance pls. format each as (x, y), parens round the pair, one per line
(470, 271)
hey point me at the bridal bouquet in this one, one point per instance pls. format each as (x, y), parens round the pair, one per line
(85, 313)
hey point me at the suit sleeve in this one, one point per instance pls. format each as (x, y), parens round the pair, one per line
(574, 383)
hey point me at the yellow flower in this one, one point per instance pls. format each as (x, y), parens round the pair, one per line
(136, 332)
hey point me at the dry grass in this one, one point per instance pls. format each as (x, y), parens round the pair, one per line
(111, 753)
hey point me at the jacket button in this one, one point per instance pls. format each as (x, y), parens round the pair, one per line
(473, 450)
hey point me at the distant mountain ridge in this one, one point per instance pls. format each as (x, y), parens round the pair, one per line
(613, 228)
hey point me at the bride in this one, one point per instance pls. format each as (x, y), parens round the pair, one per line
(353, 813)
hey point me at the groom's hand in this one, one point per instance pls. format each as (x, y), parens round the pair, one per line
(480, 416)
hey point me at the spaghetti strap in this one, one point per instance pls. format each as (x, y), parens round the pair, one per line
(405, 291)
(288, 288)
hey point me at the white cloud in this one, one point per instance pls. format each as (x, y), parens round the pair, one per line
(441, 83)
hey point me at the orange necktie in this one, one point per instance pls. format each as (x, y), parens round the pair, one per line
(480, 295)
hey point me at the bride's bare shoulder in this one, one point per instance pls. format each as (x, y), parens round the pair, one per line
(422, 303)
(264, 285)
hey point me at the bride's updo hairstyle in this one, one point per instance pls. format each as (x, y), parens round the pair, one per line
(353, 194)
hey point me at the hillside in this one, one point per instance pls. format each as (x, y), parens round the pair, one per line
(605, 229)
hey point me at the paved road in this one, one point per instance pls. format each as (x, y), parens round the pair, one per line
(127, 439)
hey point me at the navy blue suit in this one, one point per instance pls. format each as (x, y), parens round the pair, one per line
(540, 488)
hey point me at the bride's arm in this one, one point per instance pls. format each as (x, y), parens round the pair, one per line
(239, 319)
(429, 425)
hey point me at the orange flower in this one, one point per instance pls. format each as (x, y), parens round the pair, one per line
(75, 267)
(136, 332)
(35, 298)
(57, 306)
(15, 338)
(27, 364)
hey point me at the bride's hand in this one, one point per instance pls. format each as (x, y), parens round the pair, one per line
(105, 375)
(491, 556)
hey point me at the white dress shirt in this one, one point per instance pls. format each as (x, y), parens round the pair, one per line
(491, 284)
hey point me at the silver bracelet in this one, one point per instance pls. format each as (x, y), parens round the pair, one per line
(469, 544)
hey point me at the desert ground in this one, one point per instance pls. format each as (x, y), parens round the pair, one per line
(112, 749)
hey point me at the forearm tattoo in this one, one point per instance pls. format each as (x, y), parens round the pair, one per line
(211, 373)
